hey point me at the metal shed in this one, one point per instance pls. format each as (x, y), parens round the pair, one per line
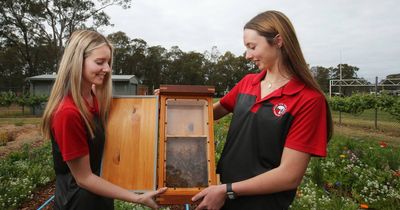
(122, 84)
(42, 85)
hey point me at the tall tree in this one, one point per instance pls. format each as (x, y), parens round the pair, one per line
(322, 75)
(230, 70)
(155, 63)
(137, 60)
(173, 74)
(121, 44)
(193, 68)
(10, 68)
(348, 71)
(27, 24)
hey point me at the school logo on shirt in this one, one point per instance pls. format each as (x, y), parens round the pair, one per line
(279, 109)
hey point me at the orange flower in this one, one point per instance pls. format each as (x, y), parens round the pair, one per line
(364, 206)
(383, 144)
(396, 173)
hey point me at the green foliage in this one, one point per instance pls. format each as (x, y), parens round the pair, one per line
(22, 100)
(220, 132)
(7, 98)
(36, 100)
(357, 103)
(37, 30)
(356, 171)
(5, 137)
(21, 172)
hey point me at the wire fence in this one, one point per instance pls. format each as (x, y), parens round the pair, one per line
(370, 119)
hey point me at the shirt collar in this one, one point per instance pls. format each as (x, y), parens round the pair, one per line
(292, 87)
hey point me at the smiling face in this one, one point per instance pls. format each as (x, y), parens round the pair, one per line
(96, 66)
(259, 51)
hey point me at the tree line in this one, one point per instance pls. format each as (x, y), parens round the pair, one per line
(33, 35)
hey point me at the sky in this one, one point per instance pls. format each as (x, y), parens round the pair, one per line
(361, 33)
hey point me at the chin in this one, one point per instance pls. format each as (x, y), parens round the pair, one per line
(98, 83)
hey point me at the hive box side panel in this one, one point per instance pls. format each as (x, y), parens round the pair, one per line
(187, 119)
(130, 152)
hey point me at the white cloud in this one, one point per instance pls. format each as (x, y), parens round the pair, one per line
(364, 32)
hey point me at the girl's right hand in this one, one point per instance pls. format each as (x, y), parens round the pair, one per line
(148, 199)
(156, 92)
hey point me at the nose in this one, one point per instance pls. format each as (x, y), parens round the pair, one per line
(248, 56)
(107, 68)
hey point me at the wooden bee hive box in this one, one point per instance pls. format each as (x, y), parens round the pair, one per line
(165, 141)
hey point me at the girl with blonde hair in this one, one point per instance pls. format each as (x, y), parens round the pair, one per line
(74, 120)
(280, 120)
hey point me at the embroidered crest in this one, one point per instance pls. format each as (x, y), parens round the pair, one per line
(279, 109)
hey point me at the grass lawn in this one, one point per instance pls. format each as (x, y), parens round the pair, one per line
(19, 120)
(386, 123)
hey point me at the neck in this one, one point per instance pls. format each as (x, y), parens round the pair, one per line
(87, 92)
(275, 76)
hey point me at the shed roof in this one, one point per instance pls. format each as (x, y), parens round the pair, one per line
(50, 77)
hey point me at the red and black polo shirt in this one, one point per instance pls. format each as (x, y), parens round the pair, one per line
(71, 140)
(69, 129)
(292, 116)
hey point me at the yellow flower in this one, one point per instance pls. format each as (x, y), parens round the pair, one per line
(342, 156)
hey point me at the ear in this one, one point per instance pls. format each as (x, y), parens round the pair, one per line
(278, 41)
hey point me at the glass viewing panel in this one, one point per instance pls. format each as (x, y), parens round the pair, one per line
(186, 117)
(186, 162)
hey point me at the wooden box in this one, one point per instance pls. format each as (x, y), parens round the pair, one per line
(165, 141)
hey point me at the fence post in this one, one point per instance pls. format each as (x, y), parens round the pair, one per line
(376, 108)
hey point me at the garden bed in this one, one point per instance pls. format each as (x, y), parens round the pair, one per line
(362, 170)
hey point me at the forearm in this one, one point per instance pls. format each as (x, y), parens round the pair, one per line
(269, 182)
(286, 176)
(219, 111)
(99, 186)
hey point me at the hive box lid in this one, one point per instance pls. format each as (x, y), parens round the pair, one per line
(130, 152)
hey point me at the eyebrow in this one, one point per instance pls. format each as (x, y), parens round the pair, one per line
(249, 43)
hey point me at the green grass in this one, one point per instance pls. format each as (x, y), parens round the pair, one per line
(386, 123)
(368, 115)
(14, 111)
(18, 121)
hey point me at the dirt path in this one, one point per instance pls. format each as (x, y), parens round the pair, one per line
(366, 133)
(24, 134)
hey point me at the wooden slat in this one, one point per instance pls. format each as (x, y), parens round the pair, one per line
(129, 158)
(187, 90)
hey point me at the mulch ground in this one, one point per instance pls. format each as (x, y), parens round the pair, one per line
(40, 196)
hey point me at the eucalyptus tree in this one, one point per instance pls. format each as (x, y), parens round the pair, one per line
(29, 24)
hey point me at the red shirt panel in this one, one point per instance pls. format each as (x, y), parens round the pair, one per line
(308, 130)
(69, 129)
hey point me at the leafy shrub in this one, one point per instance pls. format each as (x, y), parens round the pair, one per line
(356, 104)
(356, 171)
(21, 172)
(5, 137)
